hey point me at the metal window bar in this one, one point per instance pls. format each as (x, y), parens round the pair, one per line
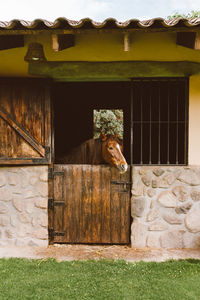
(131, 138)
(186, 122)
(168, 119)
(177, 126)
(141, 128)
(167, 122)
(150, 124)
(159, 123)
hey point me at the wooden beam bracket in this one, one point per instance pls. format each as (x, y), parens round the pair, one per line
(62, 41)
(11, 41)
(188, 39)
(127, 42)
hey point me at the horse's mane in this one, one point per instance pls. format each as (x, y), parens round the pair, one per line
(88, 152)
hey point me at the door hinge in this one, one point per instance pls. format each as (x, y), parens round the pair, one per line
(52, 173)
(124, 184)
(52, 203)
(53, 233)
(120, 182)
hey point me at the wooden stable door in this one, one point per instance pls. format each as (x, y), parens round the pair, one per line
(89, 204)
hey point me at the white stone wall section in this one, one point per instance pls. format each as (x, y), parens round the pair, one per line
(24, 206)
(166, 207)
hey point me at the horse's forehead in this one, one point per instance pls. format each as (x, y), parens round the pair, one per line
(112, 142)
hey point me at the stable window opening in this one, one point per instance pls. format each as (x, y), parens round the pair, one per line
(82, 111)
(160, 121)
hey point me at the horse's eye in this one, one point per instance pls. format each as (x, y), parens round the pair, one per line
(110, 148)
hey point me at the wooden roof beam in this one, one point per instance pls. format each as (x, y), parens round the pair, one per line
(11, 41)
(62, 41)
(188, 39)
(127, 42)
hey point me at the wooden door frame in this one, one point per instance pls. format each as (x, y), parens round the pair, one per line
(50, 180)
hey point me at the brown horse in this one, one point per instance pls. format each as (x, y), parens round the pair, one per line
(98, 151)
(112, 153)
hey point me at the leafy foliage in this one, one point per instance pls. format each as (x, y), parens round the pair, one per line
(190, 15)
(108, 121)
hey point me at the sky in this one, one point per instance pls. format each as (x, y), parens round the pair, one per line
(97, 10)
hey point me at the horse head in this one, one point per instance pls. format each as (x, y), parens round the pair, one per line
(112, 152)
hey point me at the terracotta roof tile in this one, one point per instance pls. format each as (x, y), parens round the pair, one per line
(110, 23)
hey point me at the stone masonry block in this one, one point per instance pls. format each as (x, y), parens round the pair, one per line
(146, 180)
(167, 181)
(167, 199)
(18, 203)
(151, 192)
(152, 215)
(13, 179)
(138, 206)
(190, 176)
(158, 226)
(43, 189)
(153, 240)
(44, 176)
(181, 193)
(5, 195)
(41, 234)
(41, 203)
(3, 208)
(172, 218)
(4, 220)
(195, 195)
(183, 209)
(2, 179)
(138, 235)
(192, 221)
(158, 172)
(172, 239)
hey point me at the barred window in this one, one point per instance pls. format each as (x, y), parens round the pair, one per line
(160, 121)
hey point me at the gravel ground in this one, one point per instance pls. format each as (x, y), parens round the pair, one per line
(82, 252)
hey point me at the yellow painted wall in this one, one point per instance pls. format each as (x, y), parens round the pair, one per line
(99, 46)
(194, 120)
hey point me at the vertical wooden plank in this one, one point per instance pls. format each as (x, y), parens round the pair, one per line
(86, 199)
(105, 205)
(96, 205)
(50, 210)
(77, 182)
(124, 198)
(115, 214)
(68, 198)
(58, 210)
(47, 117)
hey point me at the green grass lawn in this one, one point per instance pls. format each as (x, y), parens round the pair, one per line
(104, 279)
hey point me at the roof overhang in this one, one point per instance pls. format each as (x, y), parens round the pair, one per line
(63, 24)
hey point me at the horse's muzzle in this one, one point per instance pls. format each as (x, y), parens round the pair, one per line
(122, 168)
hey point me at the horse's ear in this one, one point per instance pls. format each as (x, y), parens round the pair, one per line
(103, 137)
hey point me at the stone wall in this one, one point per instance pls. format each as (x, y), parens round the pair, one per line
(166, 207)
(23, 206)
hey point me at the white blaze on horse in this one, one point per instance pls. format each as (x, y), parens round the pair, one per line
(108, 149)
(112, 153)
